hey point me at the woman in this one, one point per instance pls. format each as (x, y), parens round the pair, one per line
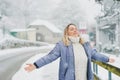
(75, 57)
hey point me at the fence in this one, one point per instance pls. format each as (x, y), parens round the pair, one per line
(110, 68)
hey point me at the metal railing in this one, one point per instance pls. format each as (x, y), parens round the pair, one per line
(110, 68)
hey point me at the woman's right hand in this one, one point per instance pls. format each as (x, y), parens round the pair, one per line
(30, 67)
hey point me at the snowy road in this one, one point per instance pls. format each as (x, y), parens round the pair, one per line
(11, 61)
(10, 65)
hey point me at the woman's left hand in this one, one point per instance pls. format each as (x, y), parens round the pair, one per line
(111, 60)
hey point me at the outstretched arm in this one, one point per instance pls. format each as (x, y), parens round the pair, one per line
(53, 55)
(101, 57)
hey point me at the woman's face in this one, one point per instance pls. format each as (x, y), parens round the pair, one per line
(73, 31)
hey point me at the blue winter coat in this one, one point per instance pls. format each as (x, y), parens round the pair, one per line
(66, 66)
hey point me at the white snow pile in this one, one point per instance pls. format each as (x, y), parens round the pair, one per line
(11, 42)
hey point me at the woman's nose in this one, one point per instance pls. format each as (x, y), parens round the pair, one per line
(75, 31)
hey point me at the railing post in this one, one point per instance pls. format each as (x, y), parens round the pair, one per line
(109, 75)
(96, 68)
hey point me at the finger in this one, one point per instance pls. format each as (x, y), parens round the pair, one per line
(26, 68)
(29, 64)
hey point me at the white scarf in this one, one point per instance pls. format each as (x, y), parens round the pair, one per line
(80, 59)
(74, 39)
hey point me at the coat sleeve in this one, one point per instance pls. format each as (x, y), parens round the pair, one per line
(53, 55)
(98, 56)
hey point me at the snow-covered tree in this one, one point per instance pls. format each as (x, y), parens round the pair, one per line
(68, 11)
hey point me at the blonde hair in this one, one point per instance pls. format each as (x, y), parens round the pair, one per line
(65, 36)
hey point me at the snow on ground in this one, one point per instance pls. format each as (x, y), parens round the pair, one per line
(22, 49)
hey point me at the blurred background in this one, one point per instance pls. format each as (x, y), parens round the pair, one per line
(42, 20)
(36, 23)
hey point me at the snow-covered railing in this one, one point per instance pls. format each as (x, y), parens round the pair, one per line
(110, 68)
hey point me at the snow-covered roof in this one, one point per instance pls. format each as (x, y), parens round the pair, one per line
(47, 24)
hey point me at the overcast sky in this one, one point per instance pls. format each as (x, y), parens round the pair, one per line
(23, 11)
(90, 7)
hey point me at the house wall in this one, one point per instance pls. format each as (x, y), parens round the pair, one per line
(27, 35)
(45, 35)
(22, 35)
(31, 35)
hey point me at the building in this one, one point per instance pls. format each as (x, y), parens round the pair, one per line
(83, 30)
(46, 31)
(108, 27)
(27, 34)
